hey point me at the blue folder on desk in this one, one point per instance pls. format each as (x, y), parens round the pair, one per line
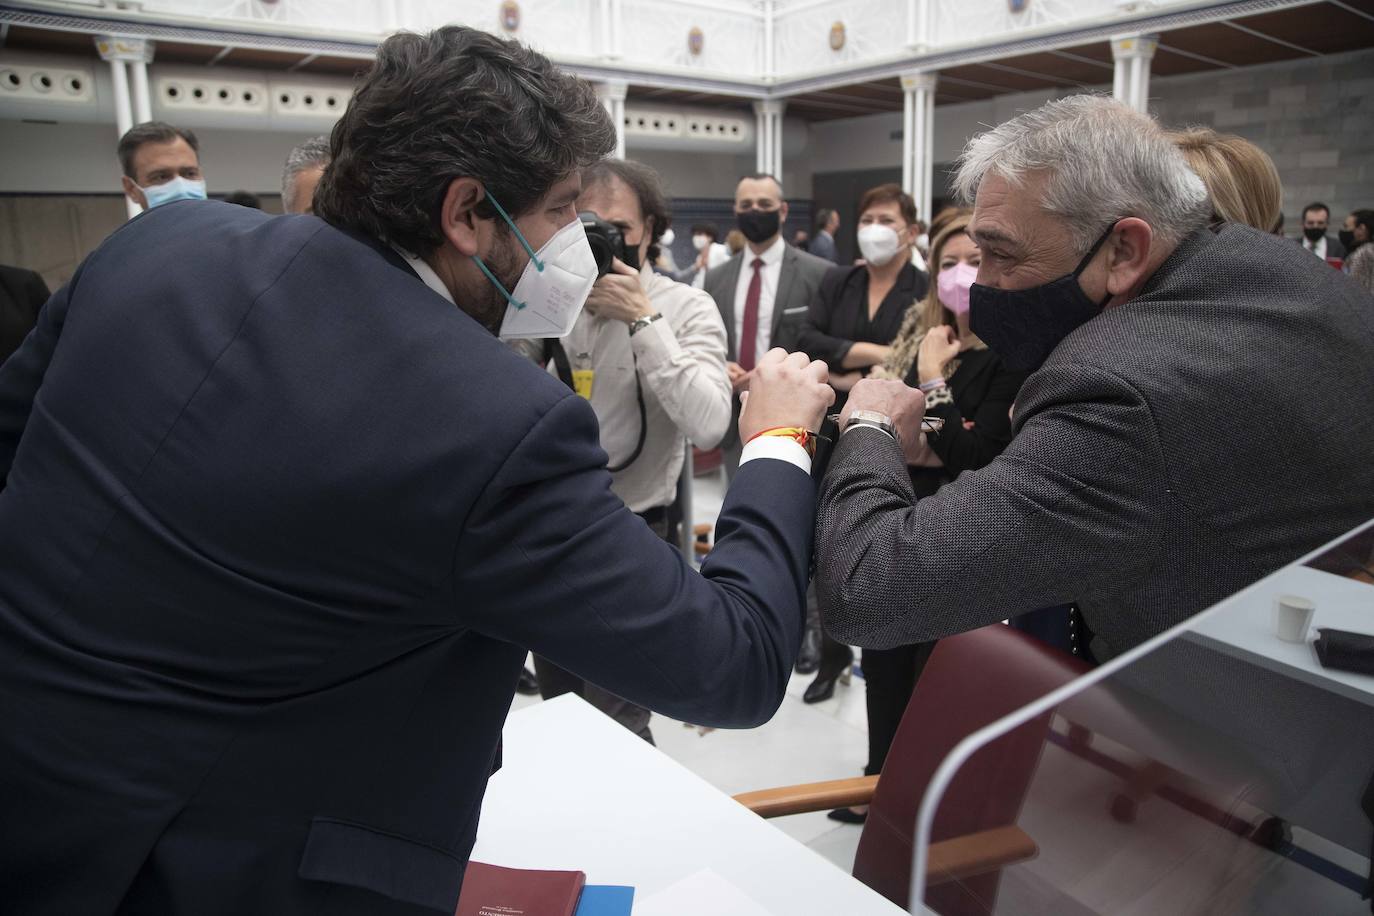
(605, 900)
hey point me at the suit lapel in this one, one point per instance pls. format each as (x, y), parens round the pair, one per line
(786, 276)
(725, 295)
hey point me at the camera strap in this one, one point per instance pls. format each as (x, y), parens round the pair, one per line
(553, 350)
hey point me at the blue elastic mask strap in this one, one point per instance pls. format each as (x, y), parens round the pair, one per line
(534, 258)
(497, 283)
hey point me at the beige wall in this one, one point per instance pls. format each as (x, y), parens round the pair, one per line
(53, 234)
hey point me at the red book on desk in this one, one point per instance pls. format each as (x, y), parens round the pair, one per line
(490, 890)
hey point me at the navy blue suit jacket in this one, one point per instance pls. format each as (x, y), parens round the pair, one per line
(277, 525)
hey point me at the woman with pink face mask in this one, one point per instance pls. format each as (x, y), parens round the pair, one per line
(967, 386)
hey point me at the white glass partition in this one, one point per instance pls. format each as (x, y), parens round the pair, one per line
(1221, 768)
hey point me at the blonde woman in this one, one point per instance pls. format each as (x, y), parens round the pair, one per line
(1240, 177)
(968, 387)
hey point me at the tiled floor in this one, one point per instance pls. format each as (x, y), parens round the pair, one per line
(801, 744)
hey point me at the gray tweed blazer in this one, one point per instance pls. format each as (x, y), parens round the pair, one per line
(1171, 451)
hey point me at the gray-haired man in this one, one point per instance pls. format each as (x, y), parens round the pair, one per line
(1163, 457)
(304, 166)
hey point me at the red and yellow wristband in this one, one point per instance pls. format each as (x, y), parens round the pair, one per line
(803, 437)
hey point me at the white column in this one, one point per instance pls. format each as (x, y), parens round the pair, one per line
(920, 15)
(142, 99)
(768, 119)
(122, 53)
(1132, 55)
(918, 137)
(612, 94)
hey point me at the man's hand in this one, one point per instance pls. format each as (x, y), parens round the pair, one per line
(618, 295)
(905, 405)
(938, 347)
(739, 376)
(786, 390)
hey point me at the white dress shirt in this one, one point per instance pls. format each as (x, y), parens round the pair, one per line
(768, 291)
(1318, 247)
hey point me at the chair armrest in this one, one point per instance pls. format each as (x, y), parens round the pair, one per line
(810, 796)
(978, 853)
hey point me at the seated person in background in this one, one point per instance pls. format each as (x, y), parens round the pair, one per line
(161, 164)
(1161, 461)
(710, 255)
(849, 324)
(274, 546)
(649, 354)
(967, 387)
(1359, 253)
(304, 166)
(1240, 177)
(22, 294)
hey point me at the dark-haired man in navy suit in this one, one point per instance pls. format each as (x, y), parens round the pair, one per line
(280, 517)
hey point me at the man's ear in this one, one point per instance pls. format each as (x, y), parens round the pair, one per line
(782, 213)
(133, 191)
(457, 219)
(1128, 256)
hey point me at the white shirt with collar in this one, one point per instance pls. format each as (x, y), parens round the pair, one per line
(426, 273)
(768, 292)
(1318, 247)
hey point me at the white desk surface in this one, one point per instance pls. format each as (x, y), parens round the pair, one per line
(577, 791)
(1246, 628)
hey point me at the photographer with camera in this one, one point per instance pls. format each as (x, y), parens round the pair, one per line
(649, 353)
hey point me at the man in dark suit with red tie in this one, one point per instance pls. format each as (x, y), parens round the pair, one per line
(280, 517)
(764, 291)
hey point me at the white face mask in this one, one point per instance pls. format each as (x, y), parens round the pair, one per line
(554, 285)
(923, 242)
(699, 241)
(666, 239)
(878, 244)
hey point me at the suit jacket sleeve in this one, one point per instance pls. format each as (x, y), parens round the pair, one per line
(551, 560)
(1071, 505)
(22, 374)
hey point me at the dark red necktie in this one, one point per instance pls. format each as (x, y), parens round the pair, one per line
(749, 334)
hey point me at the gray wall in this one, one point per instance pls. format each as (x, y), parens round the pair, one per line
(1314, 116)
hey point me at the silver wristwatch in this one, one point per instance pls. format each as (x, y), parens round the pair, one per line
(874, 420)
(643, 322)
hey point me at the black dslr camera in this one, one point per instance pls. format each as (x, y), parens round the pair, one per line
(607, 242)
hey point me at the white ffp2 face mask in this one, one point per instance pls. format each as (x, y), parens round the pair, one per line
(878, 244)
(700, 241)
(553, 287)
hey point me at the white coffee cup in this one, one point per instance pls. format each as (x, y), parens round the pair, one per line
(1293, 617)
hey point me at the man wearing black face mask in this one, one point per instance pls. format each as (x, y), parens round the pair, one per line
(1316, 219)
(764, 291)
(1160, 462)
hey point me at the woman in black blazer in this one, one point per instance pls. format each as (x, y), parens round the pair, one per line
(858, 309)
(969, 388)
(851, 322)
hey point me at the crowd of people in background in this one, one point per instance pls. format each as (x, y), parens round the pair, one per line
(663, 352)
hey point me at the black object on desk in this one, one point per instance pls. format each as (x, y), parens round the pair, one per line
(1345, 651)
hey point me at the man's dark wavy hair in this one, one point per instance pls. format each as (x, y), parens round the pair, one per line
(455, 103)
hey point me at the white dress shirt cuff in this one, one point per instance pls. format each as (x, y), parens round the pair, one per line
(779, 447)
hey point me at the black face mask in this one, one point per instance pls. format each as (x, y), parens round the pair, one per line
(1347, 239)
(759, 225)
(1023, 326)
(1313, 233)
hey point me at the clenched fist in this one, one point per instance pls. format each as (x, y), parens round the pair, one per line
(785, 390)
